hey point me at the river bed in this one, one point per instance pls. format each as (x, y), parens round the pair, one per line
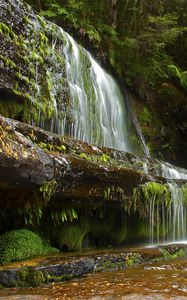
(162, 280)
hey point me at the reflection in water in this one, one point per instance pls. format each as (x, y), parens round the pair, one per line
(163, 280)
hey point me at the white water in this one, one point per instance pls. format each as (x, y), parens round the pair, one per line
(172, 172)
(98, 115)
(164, 169)
(97, 105)
(168, 221)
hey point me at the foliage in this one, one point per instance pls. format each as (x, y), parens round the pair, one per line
(139, 40)
(133, 259)
(151, 192)
(63, 215)
(20, 244)
(182, 76)
(48, 189)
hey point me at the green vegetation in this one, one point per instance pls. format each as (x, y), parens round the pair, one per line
(108, 265)
(30, 277)
(146, 45)
(139, 40)
(62, 215)
(176, 254)
(48, 189)
(133, 259)
(70, 236)
(20, 244)
(154, 192)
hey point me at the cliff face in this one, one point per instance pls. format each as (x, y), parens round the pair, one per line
(33, 81)
(140, 43)
(32, 71)
(68, 186)
(55, 185)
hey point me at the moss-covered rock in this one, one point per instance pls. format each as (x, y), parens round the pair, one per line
(70, 236)
(30, 69)
(21, 244)
(30, 277)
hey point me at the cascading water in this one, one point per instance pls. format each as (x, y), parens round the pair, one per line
(171, 172)
(167, 221)
(98, 114)
(98, 110)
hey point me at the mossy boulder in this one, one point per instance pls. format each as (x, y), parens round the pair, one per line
(21, 244)
(30, 277)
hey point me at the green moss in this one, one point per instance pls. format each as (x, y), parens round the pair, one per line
(104, 158)
(65, 277)
(133, 259)
(113, 193)
(30, 277)
(70, 236)
(178, 253)
(11, 109)
(85, 156)
(8, 62)
(7, 30)
(21, 244)
(151, 191)
(109, 265)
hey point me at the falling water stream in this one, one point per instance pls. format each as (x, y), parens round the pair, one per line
(98, 109)
(101, 115)
(98, 112)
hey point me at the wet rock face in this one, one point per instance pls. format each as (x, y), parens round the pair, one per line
(30, 67)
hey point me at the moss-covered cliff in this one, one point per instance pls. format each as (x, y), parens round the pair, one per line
(32, 78)
(138, 41)
(69, 191)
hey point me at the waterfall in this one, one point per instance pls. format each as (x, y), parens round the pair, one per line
(97, 110)
(172, 172)
(167, 219)
(98, 113)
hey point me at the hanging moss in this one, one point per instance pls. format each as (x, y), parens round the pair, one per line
(151, 191)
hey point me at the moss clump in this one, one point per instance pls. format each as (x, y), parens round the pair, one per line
(133, 259)
(151, 192)
(109, 265)
(30, 277)
(70, 236)
(20, 244)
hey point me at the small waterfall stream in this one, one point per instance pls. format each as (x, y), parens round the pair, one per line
(167, 220)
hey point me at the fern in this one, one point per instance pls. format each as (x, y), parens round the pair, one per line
(182, 76)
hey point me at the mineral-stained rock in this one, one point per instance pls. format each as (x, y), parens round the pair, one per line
(32, 159)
